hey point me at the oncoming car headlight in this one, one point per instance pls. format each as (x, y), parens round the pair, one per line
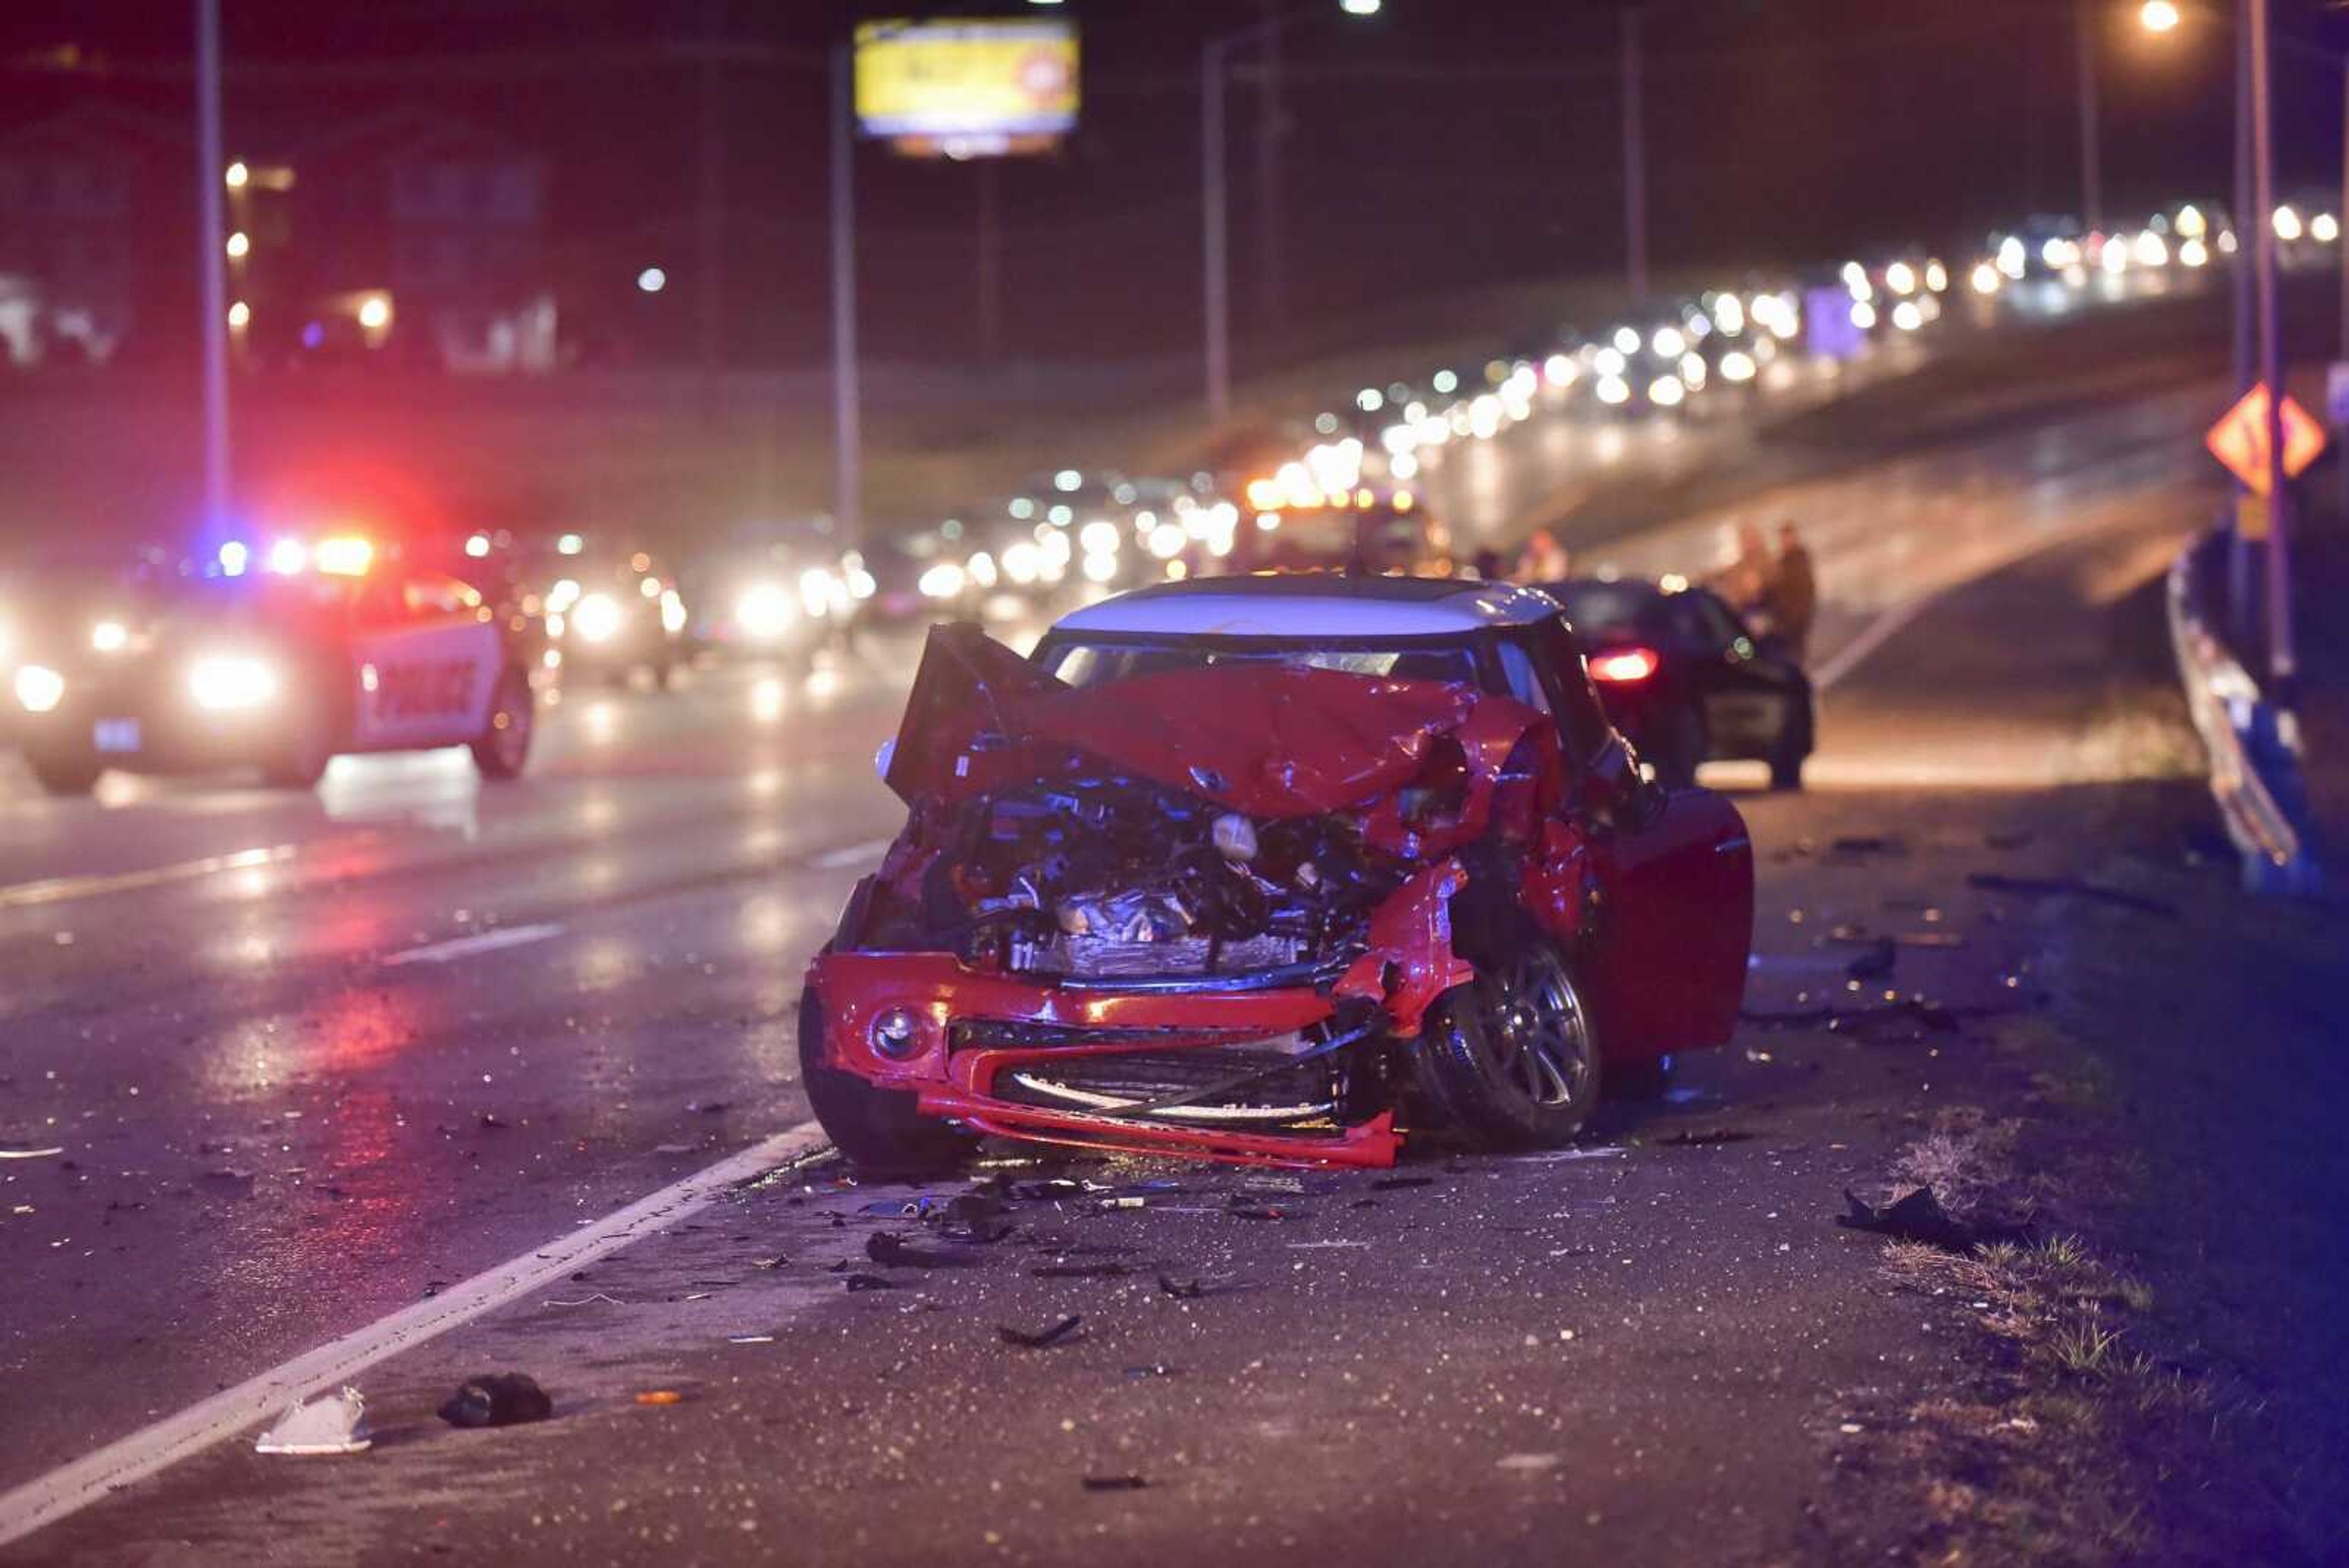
(231, 682)
(764, 611)
(39, 687)
(596, 617)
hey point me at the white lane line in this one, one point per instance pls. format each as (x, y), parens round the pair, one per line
(59, 889)
(466, 947)
(854, 854)
(73, 1487)
(1887, 625)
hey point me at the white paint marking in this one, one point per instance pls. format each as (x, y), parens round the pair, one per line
(29, 1153)
(73, 1487)
(1873, 635)
(854, 854)
(59, 889)
(466, 947)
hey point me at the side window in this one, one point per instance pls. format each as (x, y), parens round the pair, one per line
(1523, 680)
(436, 597)
(1581, 719)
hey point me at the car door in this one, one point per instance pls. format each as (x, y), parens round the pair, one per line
(428, 655)
(1748, 696)
(1663, 961)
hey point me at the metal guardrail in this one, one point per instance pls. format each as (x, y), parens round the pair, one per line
(2253, 745)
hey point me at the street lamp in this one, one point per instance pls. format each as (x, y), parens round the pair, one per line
(1215, 229)
(2158, 15)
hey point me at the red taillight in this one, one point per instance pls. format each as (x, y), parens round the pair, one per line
(1625, 665)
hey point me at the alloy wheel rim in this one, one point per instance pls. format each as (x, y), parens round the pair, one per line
(1540, 1037)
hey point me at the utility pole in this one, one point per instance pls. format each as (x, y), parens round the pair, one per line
(1635, 162)
(2091, 174)
(2280, 667)
(1272, 217)
(989, 269)
(1215, 241)
(847, 435)
(2241, 556)
(210, 171)
(709, 306)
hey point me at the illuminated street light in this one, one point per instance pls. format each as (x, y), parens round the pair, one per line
(240, 246)
(237, 175)
(2158, 15)
(375, 312)
(652, 280)
(239, 314)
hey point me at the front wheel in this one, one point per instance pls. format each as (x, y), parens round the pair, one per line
(878, 1130)
(1510, 1059)
(503, 745)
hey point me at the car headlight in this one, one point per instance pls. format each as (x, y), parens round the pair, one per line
(672, 611)
(943, 581)
(764, 611)
(39, 687)
(596, 617)
(231, 682)
(110, 636)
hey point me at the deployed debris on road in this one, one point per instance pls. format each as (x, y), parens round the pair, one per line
(1042, 1339)
(330, 1423)
(497, 1399)
(1115, 1483)
(1181, 1290)
(1919, 1217)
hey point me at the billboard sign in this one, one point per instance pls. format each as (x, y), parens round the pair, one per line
(978, 86)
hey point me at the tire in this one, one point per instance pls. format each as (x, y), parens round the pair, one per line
(503, 748)
(1650, 1079)
(66, 775)
(300, 761)
(878, 1130)
(1506, 1068)
(1679, 747)
(1786, 762)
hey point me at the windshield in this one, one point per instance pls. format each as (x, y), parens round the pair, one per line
(1081, 663)
(1601, 609)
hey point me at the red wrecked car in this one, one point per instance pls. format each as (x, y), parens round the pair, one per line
(1273, 869)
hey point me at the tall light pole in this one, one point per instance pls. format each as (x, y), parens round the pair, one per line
(847, 434)
(1635, 160)
(210, 173)
(2091, 174)
(1214, 191)
(2280, 664)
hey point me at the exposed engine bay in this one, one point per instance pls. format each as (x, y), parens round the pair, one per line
(1102, 875)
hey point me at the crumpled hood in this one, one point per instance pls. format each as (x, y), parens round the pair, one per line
(1271, 740)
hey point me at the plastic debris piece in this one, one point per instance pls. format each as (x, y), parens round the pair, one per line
(1527, 1462)
(497, 1399)
(661, 1397)
(749, 1339)
(1869, 844)
(870, 1282)
(1115, 1483)
(1875, 960)
(1150, 1369)
(1395, 1183)
(1042, 1339)
(1704, 1138)
(893, 1251)
(1181, 1290)
(330, 1423)
(29, 1153)
(1919, 1217)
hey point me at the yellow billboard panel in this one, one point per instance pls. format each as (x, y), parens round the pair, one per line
(976, 80)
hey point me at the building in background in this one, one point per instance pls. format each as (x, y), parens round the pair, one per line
(87, 198)
(423, 238)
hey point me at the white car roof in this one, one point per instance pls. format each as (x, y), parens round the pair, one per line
(1311, 605)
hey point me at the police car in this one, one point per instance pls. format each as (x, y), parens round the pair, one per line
(316, 652)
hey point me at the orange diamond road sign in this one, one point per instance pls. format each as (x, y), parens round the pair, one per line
(2240, 439)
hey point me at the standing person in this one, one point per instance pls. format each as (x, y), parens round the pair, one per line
(1744, 579)
(1792, 593)
(1545, 559)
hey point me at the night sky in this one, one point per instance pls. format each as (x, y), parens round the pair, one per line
(1444, 144)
